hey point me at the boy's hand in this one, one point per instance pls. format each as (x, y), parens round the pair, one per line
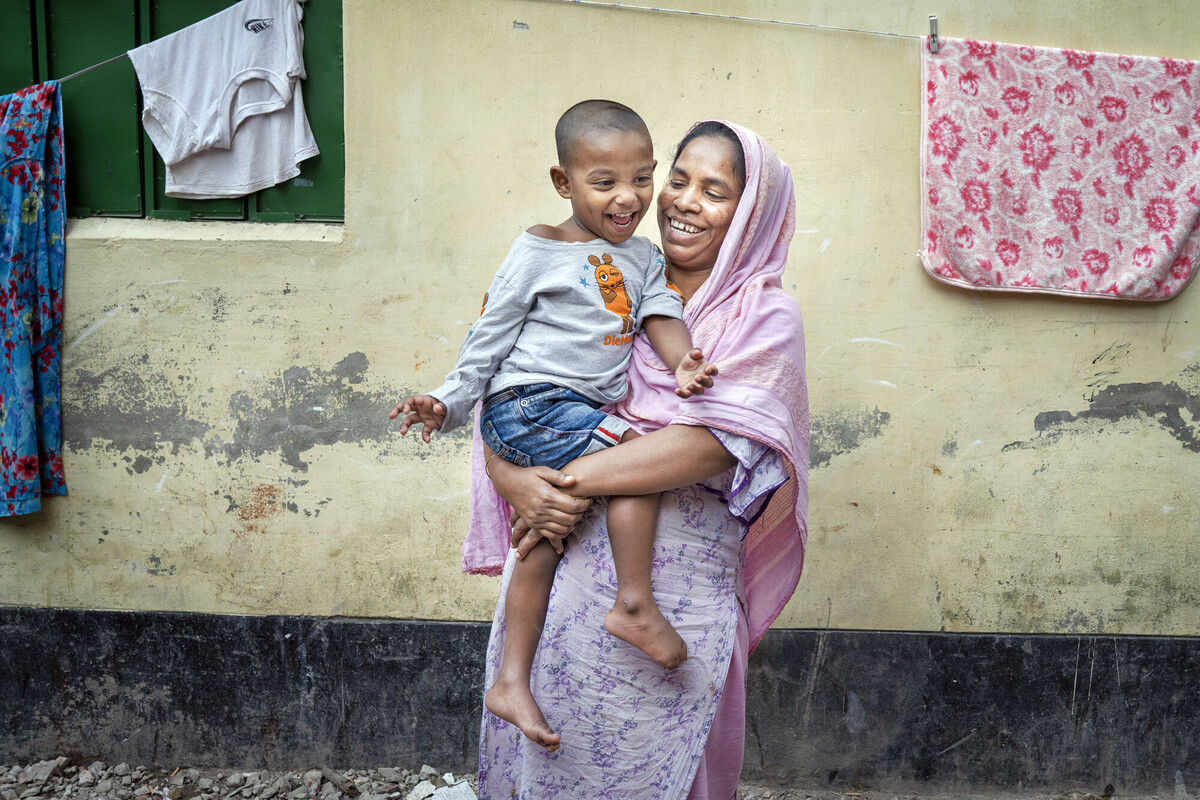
(694, 374)
(421, 409)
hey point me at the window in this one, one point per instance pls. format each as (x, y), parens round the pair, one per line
(112, 169)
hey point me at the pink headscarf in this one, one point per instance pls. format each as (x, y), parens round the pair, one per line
(751, 329)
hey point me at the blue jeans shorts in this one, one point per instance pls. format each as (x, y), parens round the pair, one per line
(546, 425)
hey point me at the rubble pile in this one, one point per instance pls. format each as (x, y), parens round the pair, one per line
(59, 779)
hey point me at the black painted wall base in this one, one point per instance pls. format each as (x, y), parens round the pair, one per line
(844, 709)
(874, 709)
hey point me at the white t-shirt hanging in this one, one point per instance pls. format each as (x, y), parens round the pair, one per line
(267, 150)
(222, 100)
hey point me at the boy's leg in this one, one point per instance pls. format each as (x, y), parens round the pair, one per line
(635, 617)
(510, 698)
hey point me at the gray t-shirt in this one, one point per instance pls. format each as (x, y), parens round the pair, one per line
(562, 313)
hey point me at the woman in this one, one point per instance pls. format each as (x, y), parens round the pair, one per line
(732, 464)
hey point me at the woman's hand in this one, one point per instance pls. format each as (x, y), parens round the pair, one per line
(539, 503)
(524, 538)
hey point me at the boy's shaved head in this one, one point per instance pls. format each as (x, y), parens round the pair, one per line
(584, 120)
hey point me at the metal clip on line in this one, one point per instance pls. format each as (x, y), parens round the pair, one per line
(933, 36)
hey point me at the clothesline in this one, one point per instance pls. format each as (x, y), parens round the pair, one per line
(659, 10)
(92, 67)
(106, 62)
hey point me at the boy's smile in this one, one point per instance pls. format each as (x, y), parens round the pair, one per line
(610, 183)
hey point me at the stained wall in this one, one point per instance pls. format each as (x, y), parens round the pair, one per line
(980, 462)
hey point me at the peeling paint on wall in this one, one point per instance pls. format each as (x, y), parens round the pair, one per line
(130, 407)
(841, 431)
(308, 406)
(237, 347)
(1168, 404)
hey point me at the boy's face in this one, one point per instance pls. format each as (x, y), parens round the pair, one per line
(610, 183)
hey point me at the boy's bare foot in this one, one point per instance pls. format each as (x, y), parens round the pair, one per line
(515, 704)
(644, 627)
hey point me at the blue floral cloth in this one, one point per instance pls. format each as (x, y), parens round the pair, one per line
(32, 211)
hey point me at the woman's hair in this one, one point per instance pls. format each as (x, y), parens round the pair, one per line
(717, 130)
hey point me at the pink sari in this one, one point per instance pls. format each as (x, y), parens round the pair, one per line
(630, 729)
(751, 329)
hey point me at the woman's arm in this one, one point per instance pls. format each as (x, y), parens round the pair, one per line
(668, 458)
(548, 503)
(674, 456)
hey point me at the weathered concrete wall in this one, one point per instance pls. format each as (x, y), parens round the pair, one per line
(980, 463)
(941, 714)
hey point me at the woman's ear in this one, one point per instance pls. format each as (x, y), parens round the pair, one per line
(562, 183)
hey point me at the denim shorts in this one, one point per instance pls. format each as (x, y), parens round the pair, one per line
(546, 425)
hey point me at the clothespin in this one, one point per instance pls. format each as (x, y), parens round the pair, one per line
(933, 37)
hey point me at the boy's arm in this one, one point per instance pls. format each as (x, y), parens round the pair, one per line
(673, 343)
(421, 409)
(487, 344)
(660, 310)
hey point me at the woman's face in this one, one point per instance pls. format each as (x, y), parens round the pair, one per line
(697, 204)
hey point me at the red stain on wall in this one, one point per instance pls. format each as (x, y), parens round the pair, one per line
(265, 501)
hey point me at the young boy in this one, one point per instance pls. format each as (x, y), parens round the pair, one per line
(549, 349)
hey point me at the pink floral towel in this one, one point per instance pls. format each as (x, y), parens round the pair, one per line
(1060, 171)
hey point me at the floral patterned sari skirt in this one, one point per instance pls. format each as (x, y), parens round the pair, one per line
(629, 728)
(32, 211)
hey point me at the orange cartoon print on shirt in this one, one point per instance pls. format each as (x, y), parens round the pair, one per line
(612, 289)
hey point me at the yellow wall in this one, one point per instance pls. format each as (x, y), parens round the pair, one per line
(226, 385)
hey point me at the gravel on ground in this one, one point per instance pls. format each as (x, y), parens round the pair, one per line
(61, 779)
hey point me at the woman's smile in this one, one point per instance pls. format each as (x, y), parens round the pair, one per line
(681, 226)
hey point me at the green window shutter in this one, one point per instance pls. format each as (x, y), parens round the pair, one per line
(101, 129)
(17, 57)
(319, 191)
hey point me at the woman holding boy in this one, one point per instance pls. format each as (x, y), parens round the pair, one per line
(732, 468)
